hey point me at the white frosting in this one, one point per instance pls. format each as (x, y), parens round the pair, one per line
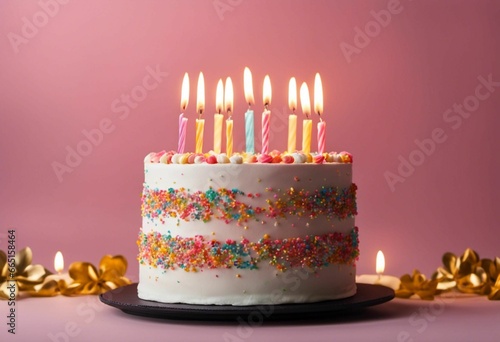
(267, 285)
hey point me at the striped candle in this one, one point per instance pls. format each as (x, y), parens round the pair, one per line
(200, 106)
(318, 108)
(218, 117)
(266, 115)
(266, 120)
(321, 136)
(182, 120)
(305, 101)
(182, 133)
(228, 103)
(249, 118)
(249, 132)
(292, 118)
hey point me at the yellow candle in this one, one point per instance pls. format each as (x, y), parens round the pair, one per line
(228, 98)
(200, 106)
(292, 119)
(307, 123)
(306, 135)
(217, 132)
(218, 117)
(200, 126)
(229, 135)
(292, 132)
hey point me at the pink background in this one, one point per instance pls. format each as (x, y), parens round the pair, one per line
(67, 75)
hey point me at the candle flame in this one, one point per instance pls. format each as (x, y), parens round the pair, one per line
(292, 94)
(318, 95)
(248, 86)
(267, 93)
(185, 92)
(59, 262)
(380, 263)
(219, 97)
(228, 96)
(305, 101)
(200, 99)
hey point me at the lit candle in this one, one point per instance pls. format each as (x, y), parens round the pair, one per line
(249, 118)
(307, 123)
(218, 117)
(182, 120)
(379, 278)
(318, 108)
(266, 115)
(200, 106)
(292, 118)
(59, 267)
(228, 101)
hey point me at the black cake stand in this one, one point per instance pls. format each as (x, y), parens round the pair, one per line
(126, 299)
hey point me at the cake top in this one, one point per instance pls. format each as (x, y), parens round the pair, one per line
(274, 157)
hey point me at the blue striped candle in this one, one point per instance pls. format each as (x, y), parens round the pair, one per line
(249, 132)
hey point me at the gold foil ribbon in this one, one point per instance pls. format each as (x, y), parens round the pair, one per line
(25, 277)
(86, 278)
(469, 274)
(417, 284)
(89, 280)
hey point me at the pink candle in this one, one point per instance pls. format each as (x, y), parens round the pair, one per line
(321, 136)
(182, 133)
(266, 120)
(318, 108)
(266, 115)
(182, 120)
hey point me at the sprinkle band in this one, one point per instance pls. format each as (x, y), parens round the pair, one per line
(193, 253)
(233, 205)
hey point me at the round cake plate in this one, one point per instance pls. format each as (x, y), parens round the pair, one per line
(126, 299)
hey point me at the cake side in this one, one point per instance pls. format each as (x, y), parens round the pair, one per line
(246, 234)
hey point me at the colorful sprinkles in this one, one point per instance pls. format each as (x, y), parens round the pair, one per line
(231, 205)
(194, 253)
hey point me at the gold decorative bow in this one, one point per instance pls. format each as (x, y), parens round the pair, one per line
(417, 284)
(88, 280)
(25, 275)
(469, 274)
(492, 269)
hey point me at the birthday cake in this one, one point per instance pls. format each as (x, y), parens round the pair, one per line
(247, 229)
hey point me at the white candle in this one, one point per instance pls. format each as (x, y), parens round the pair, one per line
(59, 267)
(379, 278)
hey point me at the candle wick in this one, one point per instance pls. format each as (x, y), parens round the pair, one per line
(379, 276)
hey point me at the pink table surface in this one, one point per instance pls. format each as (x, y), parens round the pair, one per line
(87, 319)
